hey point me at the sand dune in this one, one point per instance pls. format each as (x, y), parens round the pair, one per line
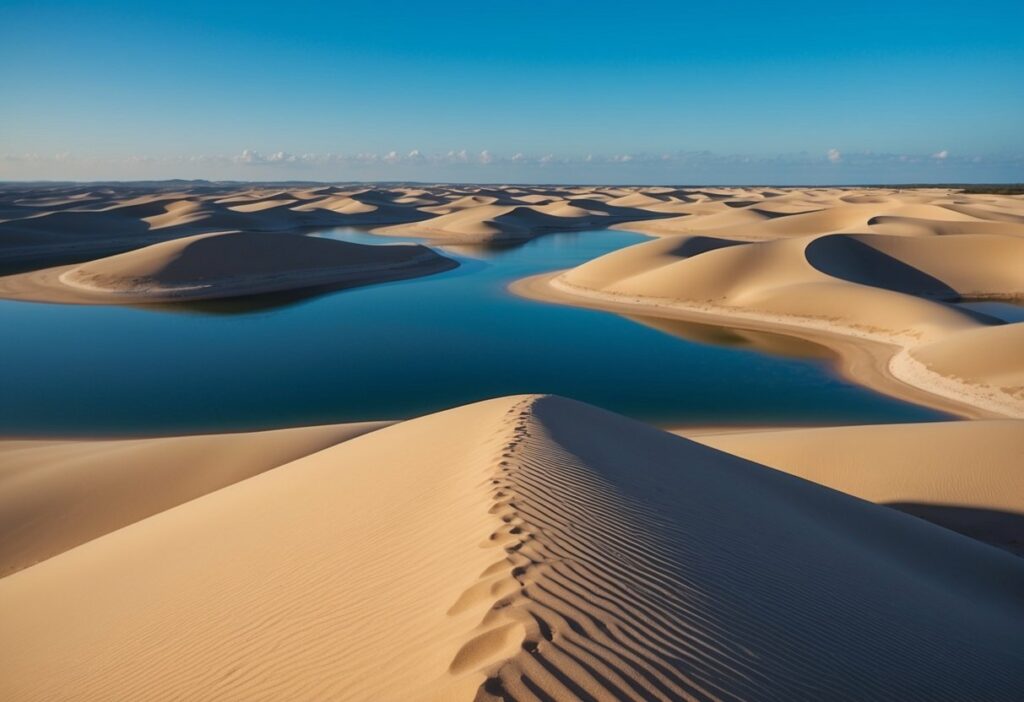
(125, 218)
(920, 226)
(521, 548)
(985, 362)
(891, 290)
(463, 203)
(499, 223)
(39, 226)
(209, 266)
(55, 495)
(965, 476)
(802, 212)
(836, 279)
(492, 222)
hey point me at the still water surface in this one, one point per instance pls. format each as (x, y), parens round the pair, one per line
(402, 349)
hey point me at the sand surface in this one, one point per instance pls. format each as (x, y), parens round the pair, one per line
(42, 226)
(213, 266)
(525, 548)
(877, 269)
(965, 476)
(55, 495)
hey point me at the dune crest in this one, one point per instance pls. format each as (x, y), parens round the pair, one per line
(44, 226)
(481, 223)
(519, 548)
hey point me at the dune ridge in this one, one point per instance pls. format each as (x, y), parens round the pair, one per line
(42, 226)
(519, 221)
(519, 548)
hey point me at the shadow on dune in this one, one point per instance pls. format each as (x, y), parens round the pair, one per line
(265, 302)
(70, 232)
(694, 245)
(731, 581)
(246, 304)
(617, 214)
(771, 214)
(854, 261)
(1004, 530)
(49, 261)
(849, 259)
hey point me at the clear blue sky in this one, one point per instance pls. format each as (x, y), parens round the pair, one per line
(553, 91)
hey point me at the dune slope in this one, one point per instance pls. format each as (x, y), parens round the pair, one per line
(519, 548)
(55, 495)
(965, 476)
(210, 266)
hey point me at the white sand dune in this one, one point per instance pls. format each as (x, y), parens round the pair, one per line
(986, 361)
(210, 266)
(919, 226)
(494, 222)
(965, 476)
(40, 225)
(464, 202)
(801, 212)
(55, 495)
(889, 289)
(1007, 209)
(55, 228)
(520, 548)
(856, 281)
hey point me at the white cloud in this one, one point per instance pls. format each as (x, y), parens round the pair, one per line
(249, 156)
(655, 166)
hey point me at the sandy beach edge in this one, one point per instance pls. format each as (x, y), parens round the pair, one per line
(879, 362)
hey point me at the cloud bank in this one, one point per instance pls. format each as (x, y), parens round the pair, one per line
(832, 166)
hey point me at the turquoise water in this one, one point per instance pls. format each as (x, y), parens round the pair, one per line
(402, 349)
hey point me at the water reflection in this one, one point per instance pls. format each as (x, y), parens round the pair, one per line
(760, 341)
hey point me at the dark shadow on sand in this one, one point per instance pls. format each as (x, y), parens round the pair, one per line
(1004, 530)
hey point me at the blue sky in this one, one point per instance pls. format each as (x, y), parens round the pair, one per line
(672, 92)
